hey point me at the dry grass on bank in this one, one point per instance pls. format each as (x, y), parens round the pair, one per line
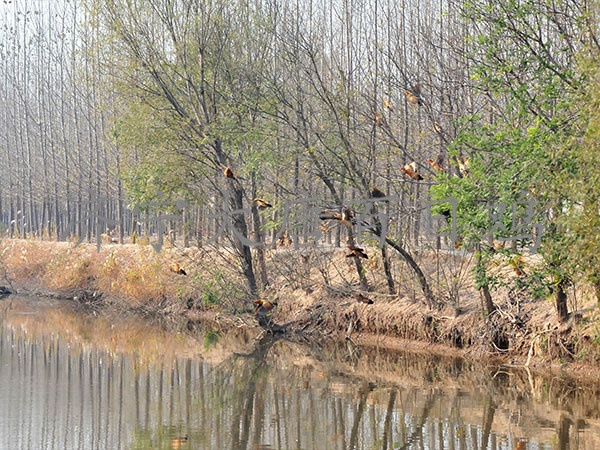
(135, 274)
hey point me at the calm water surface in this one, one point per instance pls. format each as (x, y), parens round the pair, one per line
(73, 380)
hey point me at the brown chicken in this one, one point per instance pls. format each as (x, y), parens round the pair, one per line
(498, 245)
(177, 269)
(413, 98)
(228, 173)
(263, 305)
(179, 442)
(378, 119)
(356, 252)
(262, 204)
(330, 215)
(411, 171)
(437, 164)
(458, 243)
(376, 193)
(348, 215)
(363, 299)
(284, 240)
(518, 265)
(463, 165)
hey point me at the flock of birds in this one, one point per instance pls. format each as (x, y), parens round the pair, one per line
(346, 216)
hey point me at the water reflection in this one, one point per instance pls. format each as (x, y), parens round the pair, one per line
(75, 381)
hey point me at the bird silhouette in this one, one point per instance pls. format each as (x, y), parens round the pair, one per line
(356, 252)
(178, 270)
(376, 193)
(363, 299)
(262, 204)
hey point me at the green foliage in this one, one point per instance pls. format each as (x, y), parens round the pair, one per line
(579, 181)
(516, 150)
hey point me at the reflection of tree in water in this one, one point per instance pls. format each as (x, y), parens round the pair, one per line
(279, 395)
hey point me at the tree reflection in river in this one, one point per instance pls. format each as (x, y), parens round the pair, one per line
(60, 390)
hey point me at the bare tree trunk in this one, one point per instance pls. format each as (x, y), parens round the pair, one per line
(560, 298)
(429, 297)
(484, 290)
(258, 237)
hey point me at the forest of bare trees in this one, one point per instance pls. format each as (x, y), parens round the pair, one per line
(113, 113)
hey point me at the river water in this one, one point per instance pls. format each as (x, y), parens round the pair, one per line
(77, 380)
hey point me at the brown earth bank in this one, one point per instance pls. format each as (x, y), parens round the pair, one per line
(315, 302)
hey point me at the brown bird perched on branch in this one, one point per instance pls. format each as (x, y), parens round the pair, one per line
(376, 193)
(411, 171)
(413, 98)
(348, 215)
(378, 119)
(229, 173)
(437, 164)
(263, 305)
(363, 299)
(463, 165)
(387, 104)
(262, 204)
(356, 252)
(175, 268)
(330, 215)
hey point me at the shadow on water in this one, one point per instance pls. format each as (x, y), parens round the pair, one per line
(76, 381)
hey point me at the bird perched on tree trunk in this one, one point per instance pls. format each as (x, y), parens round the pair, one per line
(175, 268)
(356, 252)
(229, 173)
(411, 171)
